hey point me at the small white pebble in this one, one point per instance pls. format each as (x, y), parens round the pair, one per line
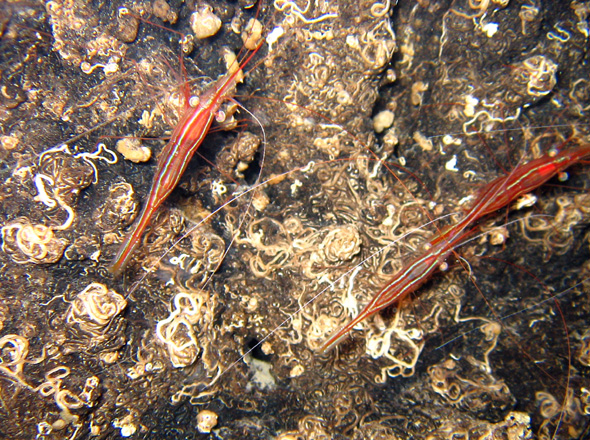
(128, 430)
(204, 22)
(206, 421)
(470, 103)
(274, 36)
(296, 371)
(525, 201)
(451, 165)
(490, 29)
(8, 142)
(132, 150)
(260, 200)
(251, 34)
(383, 120)
(424, 142)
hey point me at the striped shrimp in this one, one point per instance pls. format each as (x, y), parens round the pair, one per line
(187, 136)
(490, 198)
(327, 204)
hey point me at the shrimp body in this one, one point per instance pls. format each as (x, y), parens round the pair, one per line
(493, 196)
(404, 282)
(184, 142)
(523, 179)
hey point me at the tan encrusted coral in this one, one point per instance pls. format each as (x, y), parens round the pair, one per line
(363, 195)
(146, 359)
(72, 20)
(133, 150)
(62, 173)
(209, 248)
(235, 158)
(309, 427)
(31, 243)
(481, 7)
(469, 382)
(94, 308)
(176, 332)
(119, 209)
(340, 244)
(556, 234)
(566, 411)
(515, 426)
(399, 346)
(539, 74)
(65, 399)
(128, 424)
(330, 245)
(252, 33)
(14, 349)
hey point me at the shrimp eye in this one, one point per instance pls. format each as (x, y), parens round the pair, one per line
(193, 101)
(563, 176)
(220, 116)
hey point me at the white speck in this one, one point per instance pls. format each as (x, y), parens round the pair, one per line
(43, 197)
(490, 29)
(352, 41)
(110, 68)
(451, 165)
(383, 120)
(470, 103)
(349, 302)
(308, 167)
(295, 186)
(262, 378)
(274, 36)
(218, 188)
(179, 261)
(450, 140)
(128, 430)
(465, 200)
(525, 201)
(414, 334)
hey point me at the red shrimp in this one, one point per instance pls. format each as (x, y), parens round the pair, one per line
(406, 281)
(493, 196)
(523, 179)
(184, 142)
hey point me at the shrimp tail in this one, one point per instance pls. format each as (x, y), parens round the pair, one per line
(123, 256)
